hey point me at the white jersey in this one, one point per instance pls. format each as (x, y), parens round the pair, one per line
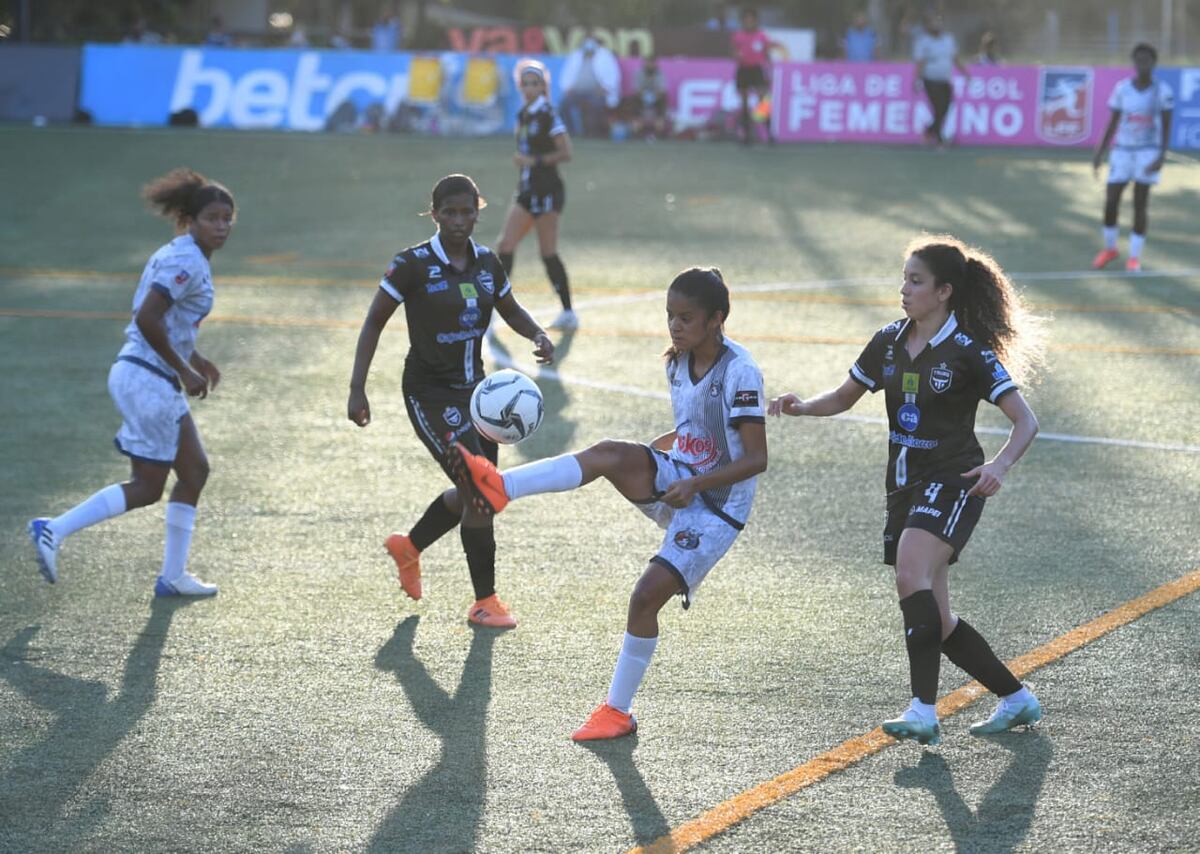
(938, 53)
(708, 410)
(1141, 110)
(180, 272)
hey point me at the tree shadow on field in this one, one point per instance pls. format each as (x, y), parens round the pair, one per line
(649, 824)
(1004, 815)
(441, 812)
(88, 726)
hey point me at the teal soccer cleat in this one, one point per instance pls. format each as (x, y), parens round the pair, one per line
(912, 724)
(1009, 716)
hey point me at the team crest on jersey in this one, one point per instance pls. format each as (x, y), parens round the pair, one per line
(962, 340)
(421, 252)
(1064, 105)
(452, 415)
(714, 390)
(486, 281)
(940, 378)
(688, 538)
(181, 277)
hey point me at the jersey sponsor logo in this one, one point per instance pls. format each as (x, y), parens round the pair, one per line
(908, 416)
(470, 317)
(893, 326)
(1064, 105)
(452, 415)
(181, 277)
(910, 382)
(688, 538)
(888, 355)
(435, 287)
(912, 441)
(701, 450)
(927, 510)
(486, 281)
(889, 371)
(989, 356)
(962, 340)
(940, 378)
(458, 337)
(999, 373)
(467, 289)
(421, 252)
(745, 398)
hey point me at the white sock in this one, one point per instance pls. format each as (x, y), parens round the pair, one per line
(181, 519)
(1110, 236)
(105, 504)
(631, 667)
(927, 711)
(1018, 698)
(556, 474)
(1136, 241)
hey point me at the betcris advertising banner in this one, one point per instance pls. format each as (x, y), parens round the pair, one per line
(878, 103)
(288, 89)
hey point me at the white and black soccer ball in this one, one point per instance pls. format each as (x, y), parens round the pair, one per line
(507, 407)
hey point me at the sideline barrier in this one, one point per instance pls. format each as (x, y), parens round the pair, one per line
(38, 80)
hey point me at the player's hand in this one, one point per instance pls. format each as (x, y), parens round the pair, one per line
(543, 348)
(785, 404)
(522, 160)
(358, 409)
(1157, 164)
(193, 382)
(991, 478)
(207, 370)
(680, 493)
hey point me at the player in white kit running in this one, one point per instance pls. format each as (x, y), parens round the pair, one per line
(697, 481)
(157, 365)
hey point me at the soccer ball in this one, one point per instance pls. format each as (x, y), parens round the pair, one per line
(507, 407)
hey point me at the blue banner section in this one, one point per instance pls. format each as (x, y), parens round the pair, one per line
(446, 93)
(1185, 126)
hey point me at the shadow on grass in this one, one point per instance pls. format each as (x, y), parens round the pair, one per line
(649, 824)
(442, 811)
(87, 726)
(1004, 815)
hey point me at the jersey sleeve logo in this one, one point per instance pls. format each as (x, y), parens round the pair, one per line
(747, 397)
(182, 276)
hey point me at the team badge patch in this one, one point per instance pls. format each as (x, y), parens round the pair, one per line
(1064, 105)
(909, 416)
(940, 378)
(181, 277)
(910, 382)
(486, 281)
(467, 289)
(745, 398)
(452, 415)
(470, 317)
(688, 538)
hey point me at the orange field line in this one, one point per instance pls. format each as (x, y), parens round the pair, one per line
(740, 807)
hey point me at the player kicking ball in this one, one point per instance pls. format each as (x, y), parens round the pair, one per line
(697, 481)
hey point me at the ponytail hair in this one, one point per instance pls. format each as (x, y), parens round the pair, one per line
(182, 193)
(985, 302)
(706, 287)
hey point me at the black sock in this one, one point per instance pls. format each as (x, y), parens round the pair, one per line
(923, 637)
(479, 544)
(558, 277)
(506, 258)
(967, 648)
(435, 524)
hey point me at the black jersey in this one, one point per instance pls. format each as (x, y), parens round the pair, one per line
(447, 310)
(931, 400)
(537, 125)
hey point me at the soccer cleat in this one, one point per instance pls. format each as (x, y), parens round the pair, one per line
(1009, 716)
(912, 724)
(492, 613)
(1133, 265)
(477, 479)
(567, 320)
(46, 548)
(408, 563)
(185, 585)
(605, 722)
(1104, 257)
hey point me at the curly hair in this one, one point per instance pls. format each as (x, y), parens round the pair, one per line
(182, 193)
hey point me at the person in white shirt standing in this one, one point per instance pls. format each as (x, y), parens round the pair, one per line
(158, 364)
(936, 55)
(1141, 122)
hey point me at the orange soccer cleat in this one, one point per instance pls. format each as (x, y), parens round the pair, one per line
(1104, 257)
(477, 479)
(492, 613)
(408, 563)
(606, 722)
(1134, 265)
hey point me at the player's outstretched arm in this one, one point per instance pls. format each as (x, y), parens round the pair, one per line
(831, 402)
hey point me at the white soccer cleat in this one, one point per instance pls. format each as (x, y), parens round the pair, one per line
(185, 585)
(567, 321)
(1010, 715)
(912, 724)
(46, 545)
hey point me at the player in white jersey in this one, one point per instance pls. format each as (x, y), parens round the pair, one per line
(157, 365)
(697, 481)
(1141, 122)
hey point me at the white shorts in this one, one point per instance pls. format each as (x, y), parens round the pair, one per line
(696, 536)
(1129, 164)
(152, 405)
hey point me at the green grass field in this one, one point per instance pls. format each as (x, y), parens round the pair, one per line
(311, 707)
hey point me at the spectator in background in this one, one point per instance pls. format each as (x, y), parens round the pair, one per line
(216, 36)
(591, 82)
(988, 53)
(299, 36)
(751, 50)
(647, 106)
(386, 33)
(860, 40)
(141, 33)
(339, 40)
(936, 55)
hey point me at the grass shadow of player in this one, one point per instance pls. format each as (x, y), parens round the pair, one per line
(87, 726)
(442, 811)
(1006, 812)
(649, 823)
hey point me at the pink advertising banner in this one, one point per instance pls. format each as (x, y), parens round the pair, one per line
(877, 102)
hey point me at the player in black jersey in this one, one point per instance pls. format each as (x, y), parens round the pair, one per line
(448, 285)
(542, 144)
(964, 321)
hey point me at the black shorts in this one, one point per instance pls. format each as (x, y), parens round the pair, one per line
(751, 77)
(940, 506)
(549, 201)
(442, 416)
